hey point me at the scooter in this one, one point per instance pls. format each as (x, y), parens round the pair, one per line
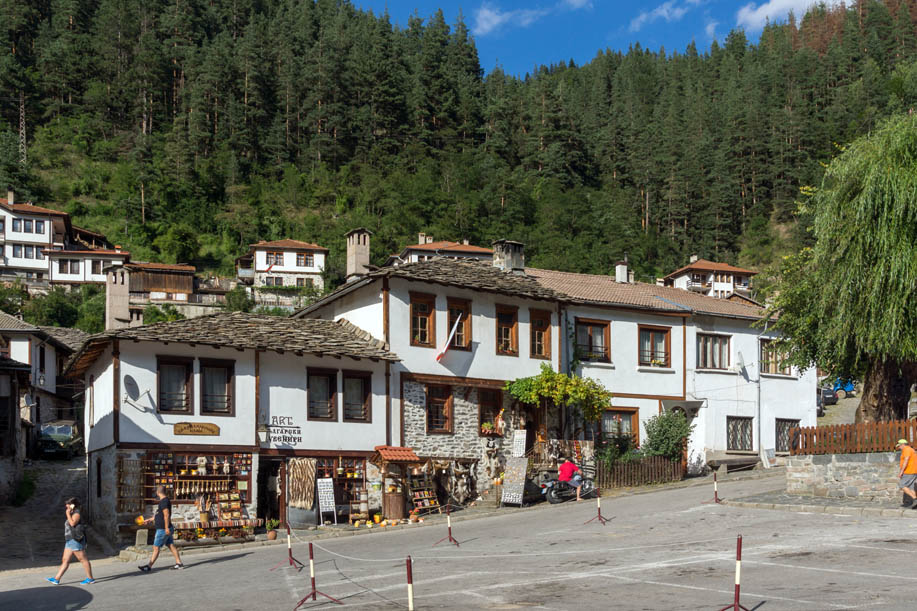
(557, 491)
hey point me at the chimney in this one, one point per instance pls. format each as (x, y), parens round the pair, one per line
(357, 253)
(465, 241)
(692, 259)
(509, 256)
(421, 238)
(10, 197)
(621, 272)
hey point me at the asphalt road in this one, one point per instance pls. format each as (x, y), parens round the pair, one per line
(663, 550)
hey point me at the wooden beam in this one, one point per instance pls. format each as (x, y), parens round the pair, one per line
(116, 403)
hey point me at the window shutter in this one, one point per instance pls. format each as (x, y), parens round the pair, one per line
(448, 411)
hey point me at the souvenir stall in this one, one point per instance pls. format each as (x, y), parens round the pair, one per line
(401, 478)
(210, 493)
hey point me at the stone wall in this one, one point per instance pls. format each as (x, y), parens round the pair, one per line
(10, 474)
(102, 508)
(864, 476)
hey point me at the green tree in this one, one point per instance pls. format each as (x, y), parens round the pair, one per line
(12, 297)
(178, 244)
(238, 300)
(166, 313)
(56, 308)
(91, 309)
(666, 434)
(847, 304)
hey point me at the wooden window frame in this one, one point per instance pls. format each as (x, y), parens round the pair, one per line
(606, 330)
(448, 411)
(188, 363)
(701, 352)
(331, 374)
(28, 252)
(96, 263)
(91, 400)
(307, 258)
(17, 225)
(514, 330)
(367, 378)
(668, 345)
(78, 267)
(786, 370)
(430, 301)
(465, 306)
(27, 225)
(540, 315)
(273, 258)
(230, 385)
(634, 414)
(497, 407)
(42, 230)
(15, 246)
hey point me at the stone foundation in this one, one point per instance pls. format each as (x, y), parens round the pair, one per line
(863, 476)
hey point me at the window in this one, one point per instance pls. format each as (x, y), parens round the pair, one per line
(27, 226)
(539, 334)
(507, 330)
(773, 359)
(91, 400)
(39, 226)
(357, 396)
(175, 383)
(17, 251)
(784, 441)
(622, 421)
(29, 252)
(489, 402)
(460, 310)
(305, 260)
(39, 254)
(322, 390)
(423, 320)
(592, 340)
(712, 351)
(738, 433)
(2, 224)
(275, 258)
(654, 346)
(439, 409)
(63, 266)
(17, 225)
(41, 359)
(74, 266)
(273, 281)
(216, 387)
(96, 267)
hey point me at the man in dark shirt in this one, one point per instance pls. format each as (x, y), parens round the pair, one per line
(163, 523)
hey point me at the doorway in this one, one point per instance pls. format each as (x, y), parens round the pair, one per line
(272, 489)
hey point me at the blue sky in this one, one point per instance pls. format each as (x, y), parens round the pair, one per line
(520, 35)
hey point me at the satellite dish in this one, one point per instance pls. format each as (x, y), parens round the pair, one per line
(29, 401)
(740, 361)
(131, 388)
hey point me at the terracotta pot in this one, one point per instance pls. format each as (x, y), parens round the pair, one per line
(271, 535)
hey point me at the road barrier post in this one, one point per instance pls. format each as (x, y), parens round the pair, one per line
(290, 561)
(735, 605)
(410, 585)
(314, 593)
(598, 506)
(449, 536)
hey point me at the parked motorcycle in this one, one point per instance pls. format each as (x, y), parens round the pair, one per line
(557, 491)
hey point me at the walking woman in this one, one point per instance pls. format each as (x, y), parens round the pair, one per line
(75, 535)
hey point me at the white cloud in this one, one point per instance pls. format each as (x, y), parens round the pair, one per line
(669, 11)
(754, 17)
(487, 18)
(710, 29)
(578, 4)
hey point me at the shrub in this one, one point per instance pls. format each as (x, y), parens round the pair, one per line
(666, 434)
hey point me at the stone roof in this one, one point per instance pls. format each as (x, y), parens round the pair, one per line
(703, 265)
(247, 331)
(294, 244)
(72, 338)
(8, 322)
(446, 246)
(604, 290)
(7, 364)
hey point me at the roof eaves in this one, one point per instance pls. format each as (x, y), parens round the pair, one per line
(335, 295)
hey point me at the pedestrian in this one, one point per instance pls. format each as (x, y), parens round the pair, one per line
(75, 537)
(907, 472)
(163, 522)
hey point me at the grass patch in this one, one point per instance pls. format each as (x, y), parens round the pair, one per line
(25, 490)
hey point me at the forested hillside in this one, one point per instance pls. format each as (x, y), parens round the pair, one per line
(187, 129)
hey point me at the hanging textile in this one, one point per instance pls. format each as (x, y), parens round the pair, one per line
(302, 482)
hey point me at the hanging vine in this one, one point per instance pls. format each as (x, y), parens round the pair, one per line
(586, 394)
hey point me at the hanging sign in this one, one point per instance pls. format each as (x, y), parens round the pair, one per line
(195, 428)
(326, 496)
(514, 480)
(518, 443)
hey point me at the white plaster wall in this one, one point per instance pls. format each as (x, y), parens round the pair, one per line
(289, 262)
(40, 265)
(99, 432)
(20, 349)
(681, 282)
(362, 308)
(284, 404)
(50, 371)
(140, 422)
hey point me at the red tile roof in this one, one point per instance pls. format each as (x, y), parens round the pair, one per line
(604, 290)
(444, 245)
(295, 244)
(396, 454)
(703, 265)
(31, 209)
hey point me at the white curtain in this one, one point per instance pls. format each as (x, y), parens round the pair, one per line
(172, 387)
(215, 389)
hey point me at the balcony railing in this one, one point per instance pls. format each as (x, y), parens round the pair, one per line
(243, 272)
(694, 285)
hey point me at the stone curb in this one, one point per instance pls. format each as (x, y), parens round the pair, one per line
(877, 512)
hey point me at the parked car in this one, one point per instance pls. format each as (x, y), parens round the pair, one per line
(828, 396)
(60, 438)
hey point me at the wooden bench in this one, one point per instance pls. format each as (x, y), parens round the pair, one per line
(725, 465)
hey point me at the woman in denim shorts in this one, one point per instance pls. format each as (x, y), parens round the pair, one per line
(75, 536)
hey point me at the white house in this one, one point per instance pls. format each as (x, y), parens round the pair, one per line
(711, 278)
(83, 266)
(168, 396)
(427, 248)
(283, 263)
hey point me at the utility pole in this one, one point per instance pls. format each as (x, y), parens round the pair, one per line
(22, 149)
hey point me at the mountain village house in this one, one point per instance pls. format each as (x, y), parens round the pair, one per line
(711, 278)
(278, 263)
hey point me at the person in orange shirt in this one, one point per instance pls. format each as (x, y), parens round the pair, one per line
(907, 471)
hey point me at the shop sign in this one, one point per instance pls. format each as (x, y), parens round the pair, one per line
(195, 428)
(514, 480)
(325, 487)
(518, 443)
(283, 430)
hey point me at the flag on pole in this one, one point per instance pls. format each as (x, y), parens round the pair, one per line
(269, 267)
(442, 351)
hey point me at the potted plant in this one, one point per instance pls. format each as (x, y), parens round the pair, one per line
(271, 526)
(487, 428)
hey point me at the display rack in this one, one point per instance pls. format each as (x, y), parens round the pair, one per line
(422, 494)
(349, 475)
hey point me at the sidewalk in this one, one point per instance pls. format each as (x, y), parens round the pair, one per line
(781, 501)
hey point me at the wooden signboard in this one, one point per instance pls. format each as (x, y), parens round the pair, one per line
(519, 443)
(326, 496)
(195, 428)
(514, 480)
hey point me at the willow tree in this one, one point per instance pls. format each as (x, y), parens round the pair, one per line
(849, 303)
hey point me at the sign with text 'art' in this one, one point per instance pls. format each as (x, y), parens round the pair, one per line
(514, 480)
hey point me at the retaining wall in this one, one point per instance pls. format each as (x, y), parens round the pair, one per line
(864, 476)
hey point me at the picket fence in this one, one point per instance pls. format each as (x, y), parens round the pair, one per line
(852, 438)
(650, 470)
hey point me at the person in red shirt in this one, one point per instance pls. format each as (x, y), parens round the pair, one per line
(907, 471)
(570, 473)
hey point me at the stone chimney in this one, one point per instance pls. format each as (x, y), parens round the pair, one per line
(465, 241)
(509, 256)
(421, 238)
(621, 272)
(10, 197)
(692, 259)
(357, 253)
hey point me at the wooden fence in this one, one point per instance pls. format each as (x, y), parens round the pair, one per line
(852, 438)
(651, 470)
